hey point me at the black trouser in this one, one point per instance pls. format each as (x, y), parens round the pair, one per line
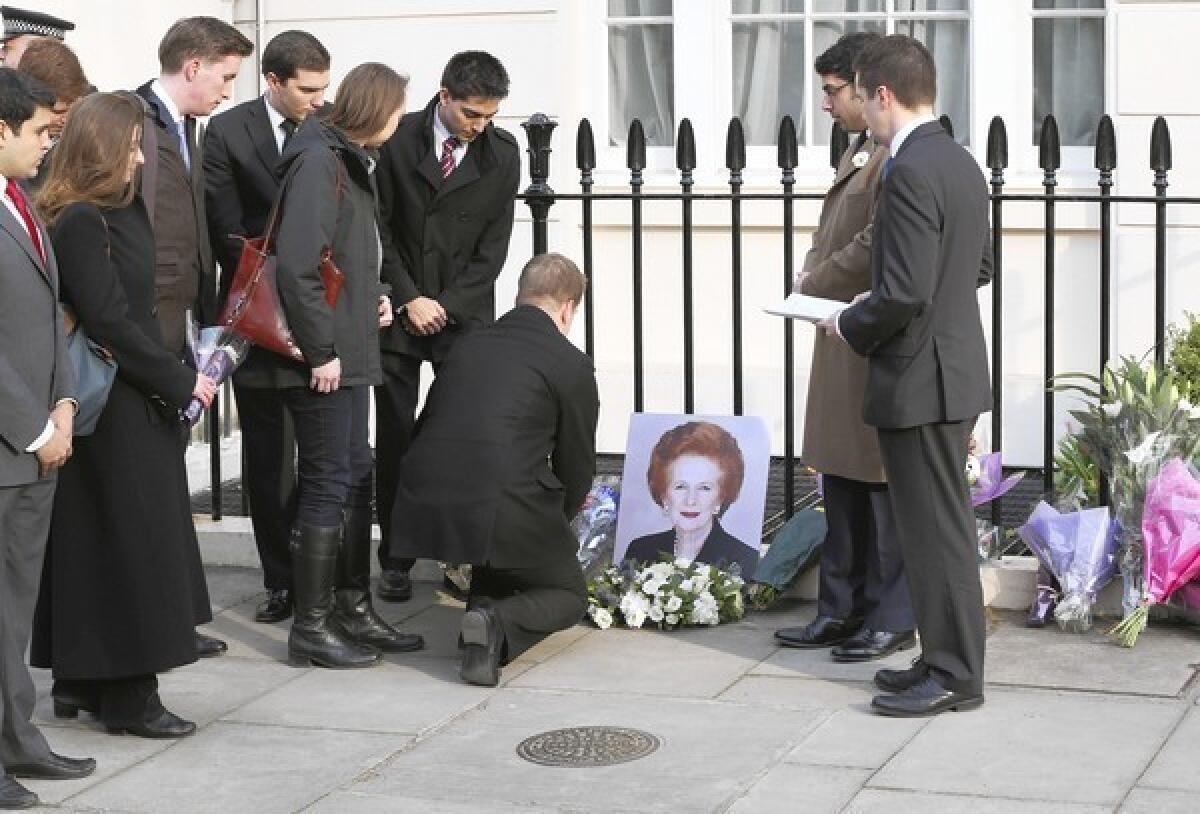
(334, 457)
(116, 701)
(862, 570)
(532, 603)
(395, 417)
(936, 528)
(269, 477)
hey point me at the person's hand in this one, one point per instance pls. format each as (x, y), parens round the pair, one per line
(386, 317)
(829, 324)
(424, 316)
(204, 389)
(55, 452)
(325, 379)
(798, 283)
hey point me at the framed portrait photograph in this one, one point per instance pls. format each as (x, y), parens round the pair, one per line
(694, 487)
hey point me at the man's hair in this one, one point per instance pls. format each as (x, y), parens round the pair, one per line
(55, 65)
(475, 73)
(838, 59)
(366, 99)
(20, 97)
(293, 51)
(204, 38)
(550, 278)
(903, 65)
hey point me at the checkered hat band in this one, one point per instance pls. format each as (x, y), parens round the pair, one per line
(15, 28)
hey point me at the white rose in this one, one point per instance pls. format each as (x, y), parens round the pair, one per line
(601, 617)
(652, 587)
(682, 562)
(1139, 454)
(672, 618)
(686, 586)
(973, 470)
(655, 613)
(674, 604)
(1112, 409)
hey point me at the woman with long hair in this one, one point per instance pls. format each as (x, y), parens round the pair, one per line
(122, 587)
(329, 204)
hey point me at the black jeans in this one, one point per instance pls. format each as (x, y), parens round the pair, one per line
(269, 468)
(334, 458)
(395, 418)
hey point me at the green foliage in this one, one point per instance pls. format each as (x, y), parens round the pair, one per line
(1184, 359)
(1076, 475)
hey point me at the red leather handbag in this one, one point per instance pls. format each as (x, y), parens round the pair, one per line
(253, 308)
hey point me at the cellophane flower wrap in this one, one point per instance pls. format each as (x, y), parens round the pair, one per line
(985, 476)
(1079, 549)
(216, 352)
(1171, 537)
(666, 595)
(595, 526)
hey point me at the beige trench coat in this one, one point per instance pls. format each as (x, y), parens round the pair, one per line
(836, 441)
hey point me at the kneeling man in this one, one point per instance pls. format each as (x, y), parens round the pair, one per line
(502, 459)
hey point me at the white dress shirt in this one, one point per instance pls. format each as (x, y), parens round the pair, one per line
(440, 134)
(277, 119)
(160, 90)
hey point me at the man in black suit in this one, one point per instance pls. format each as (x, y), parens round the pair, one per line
(447, 183)
(199, 59)
(927, 379)
(242, 147)
(502, 459)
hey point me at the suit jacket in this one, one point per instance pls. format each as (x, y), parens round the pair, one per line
(34, 368)
(448, 239)
(183, 258)
(720, 548)
(921, 327)
(838, 266)
(504, 452)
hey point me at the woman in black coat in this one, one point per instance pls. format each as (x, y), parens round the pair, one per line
(696, 472)
(329, 204)
(122, 586)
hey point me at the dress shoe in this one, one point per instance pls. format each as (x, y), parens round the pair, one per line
(483, 639)
(164, 725)
(867, 645)
(394, 586)
(207, 646)
(357, 621)
(926, 697)
(68, 704)
(820, 632)
(54, 767)
(900, 680)
(14, 795)
(277, 607)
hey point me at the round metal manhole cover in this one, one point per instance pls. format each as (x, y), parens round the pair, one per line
(584, 746)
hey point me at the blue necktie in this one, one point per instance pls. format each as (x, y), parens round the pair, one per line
(179, 128)
(887, 167)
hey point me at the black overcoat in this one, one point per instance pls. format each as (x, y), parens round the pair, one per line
(123, 586)
(505, 450)
(448, 239)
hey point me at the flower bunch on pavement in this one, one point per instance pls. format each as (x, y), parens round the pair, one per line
(666, 595)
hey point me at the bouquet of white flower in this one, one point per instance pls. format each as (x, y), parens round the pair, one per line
(666, 595)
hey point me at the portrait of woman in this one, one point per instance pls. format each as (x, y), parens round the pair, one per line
(696, 471)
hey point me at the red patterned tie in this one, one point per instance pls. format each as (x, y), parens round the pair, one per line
(17, 196)
(448, 147)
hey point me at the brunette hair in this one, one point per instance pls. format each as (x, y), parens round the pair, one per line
(838, 59)
(901, 64)
(475, 73)
(204, 38)
(55, 65)
(550, 277)
(366, 99)
(707, 440)
(92, 156)
(292, 51)
(20, 97)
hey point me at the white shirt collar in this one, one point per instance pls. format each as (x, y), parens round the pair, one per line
(440, 134)
(277, 119)
(8, 203)
(906, 131)
(160, 90)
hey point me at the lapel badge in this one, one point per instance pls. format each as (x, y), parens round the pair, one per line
(860, 159)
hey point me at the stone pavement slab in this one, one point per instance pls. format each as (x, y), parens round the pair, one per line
(789, 788)
(884, 801)
(343, 802)
(856, 738)
(1177, 766)
(1067, 747)
(797, 692)
(1159, 801)
(113, 755)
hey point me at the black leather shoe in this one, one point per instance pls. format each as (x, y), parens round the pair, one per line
(483, 639)
(820, 632)
(69, 704)
(207, 646)
(276, 608)
(867, 645)
(357, 620)
(394, 586)
(14, 795)
(926, 697)
(900, 680)
(164, 725)
(54, 767)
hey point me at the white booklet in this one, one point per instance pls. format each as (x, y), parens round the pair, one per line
(809, 309)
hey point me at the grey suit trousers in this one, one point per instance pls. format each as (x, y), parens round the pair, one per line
(24, 526)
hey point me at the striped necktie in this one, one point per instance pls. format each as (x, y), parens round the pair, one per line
(448, 147)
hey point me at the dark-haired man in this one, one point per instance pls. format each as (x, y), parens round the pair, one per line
(502, 460)
(36, 419)
(863, 609)
(927, 380)
(447, 182)
(199, 57)
(22, 27)
(242, 147)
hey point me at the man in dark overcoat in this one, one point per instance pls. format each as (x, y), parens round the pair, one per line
(447, 184)
(927, 375)
(242, 147)
(502, 460)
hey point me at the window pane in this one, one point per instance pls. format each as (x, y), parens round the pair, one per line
(825, 34)
(768, 6)
(1068, 77)
(770, 72)
(947, 41)
(931, 5)
(641, 82)
(850, 6)
(1068, 3)
(639, 8)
